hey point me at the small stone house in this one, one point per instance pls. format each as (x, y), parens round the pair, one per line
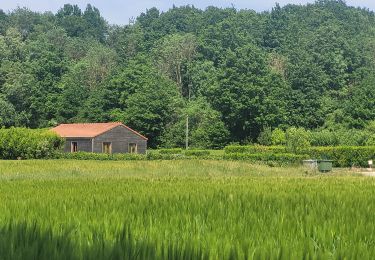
(101, 138)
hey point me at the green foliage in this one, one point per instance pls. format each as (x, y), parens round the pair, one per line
(352, 137)
(173, 53)
(344, 156)
(348, 137)
(265, 137)
(236, 73)
(297, 139)
(23, 143)
(371, 140)
(251, 149)
(156, 155)
(278, 137)
(197, 153)
(206, 129)
(171, 151)
(7, 113)
(160, 154)
(324, 138)
(100, 156)
(272, 159)
(144, 99)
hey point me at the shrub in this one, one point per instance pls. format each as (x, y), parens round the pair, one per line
(197, 153)
(297, 139)
(265, 137)
(278, 137)
(170, 151)
(352, 137)
(100, 156)
(269, 158)
(371, 140)
(251, 149)
(344, 156)
(16, 143)
(156, 155)
(324, 138)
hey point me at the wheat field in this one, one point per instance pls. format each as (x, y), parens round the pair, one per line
(66, 209)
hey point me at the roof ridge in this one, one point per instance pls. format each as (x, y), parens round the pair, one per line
(95, 129)
(86, 123)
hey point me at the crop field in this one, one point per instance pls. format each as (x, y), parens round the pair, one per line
(192, 209)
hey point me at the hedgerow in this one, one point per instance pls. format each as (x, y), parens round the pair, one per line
(344, 156)
(170, 151)
(252, 149)
(274, 159)
(24, 143)
(100, 156)
(198, 153)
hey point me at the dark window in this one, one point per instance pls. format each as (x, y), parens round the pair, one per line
(74, 147)
(107, 147)
(133, 148)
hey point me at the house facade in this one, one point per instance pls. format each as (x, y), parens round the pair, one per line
(101, 138)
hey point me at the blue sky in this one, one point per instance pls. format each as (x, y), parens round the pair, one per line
(119, 12)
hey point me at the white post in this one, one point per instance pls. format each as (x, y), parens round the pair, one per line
(187, 133)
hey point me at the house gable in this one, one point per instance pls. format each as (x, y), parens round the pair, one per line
(120, 137)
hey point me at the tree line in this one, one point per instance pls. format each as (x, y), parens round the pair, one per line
(237, 74)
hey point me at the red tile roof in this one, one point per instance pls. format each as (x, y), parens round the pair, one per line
(88, 130)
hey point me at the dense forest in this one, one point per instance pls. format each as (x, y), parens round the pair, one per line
(236, 74)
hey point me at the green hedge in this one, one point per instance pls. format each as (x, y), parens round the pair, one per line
(100, 156)
(151, 155)
(269, 158)
(197, 153)
(156, 155)
(24, 143)
(344, 156)
(254, 149)
(170, 151)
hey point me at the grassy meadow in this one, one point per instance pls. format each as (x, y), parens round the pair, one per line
(190, 209)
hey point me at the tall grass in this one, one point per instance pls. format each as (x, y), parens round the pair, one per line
(181, 210)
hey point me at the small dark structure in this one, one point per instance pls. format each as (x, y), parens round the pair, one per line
(101, 138)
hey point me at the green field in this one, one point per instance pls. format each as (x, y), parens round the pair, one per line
(182, 210)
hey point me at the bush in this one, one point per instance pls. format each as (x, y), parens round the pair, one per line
(171, 154)
(157, 155)
(297, 139)
(352, 137)
(371, 140)
(269, 158)
(265, 137)
(170, 151)
(324, 138)
(197, 153)
(278, 137)
(100, 156)
(251, 149)
(23, 143)
(344, 156)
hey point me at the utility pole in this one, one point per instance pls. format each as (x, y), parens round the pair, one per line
(187, 133)
(187, 121)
